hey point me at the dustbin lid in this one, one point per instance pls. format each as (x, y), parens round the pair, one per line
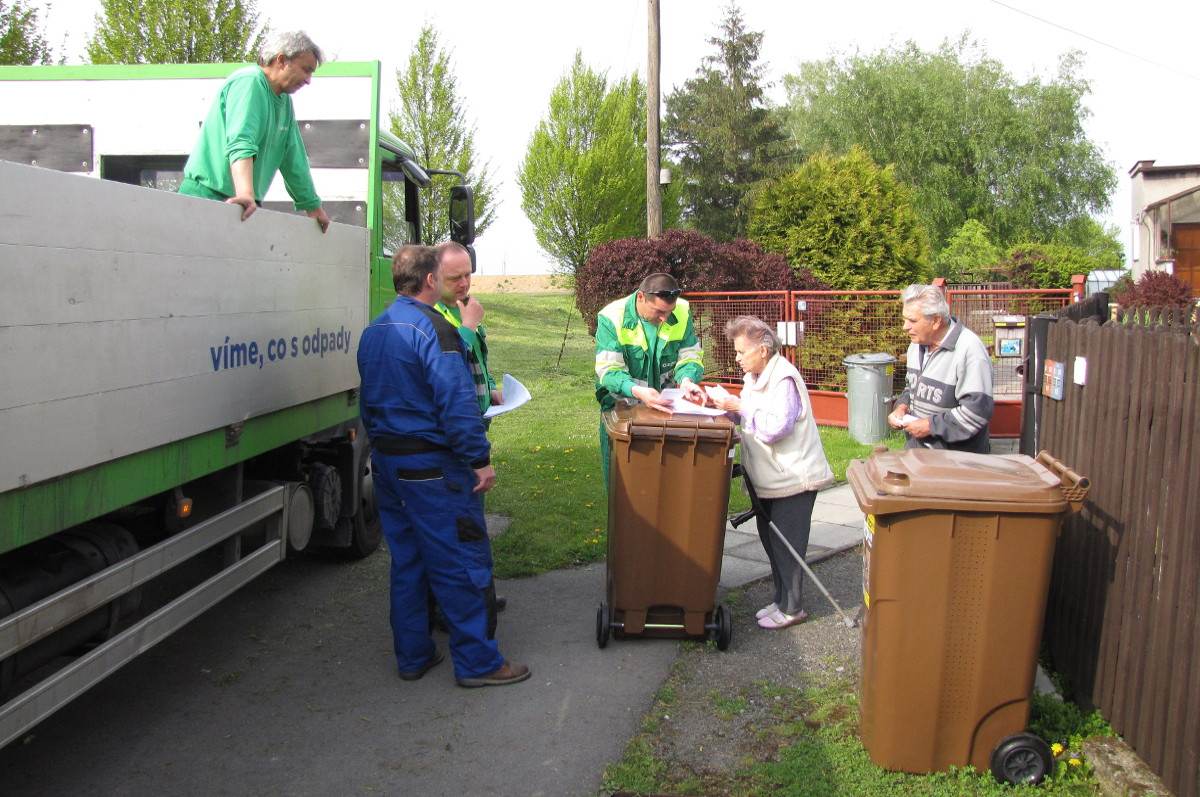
(925, 478)
(869, 359)
(630, 419)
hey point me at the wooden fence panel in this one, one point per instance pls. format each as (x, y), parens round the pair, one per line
(1121, 621)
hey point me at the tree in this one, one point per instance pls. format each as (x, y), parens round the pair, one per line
(583, 180)
(432, 120)
(176, 32)
(723, 134)
(974, 142)
(969, 255)
(22, 41)
(849, 222)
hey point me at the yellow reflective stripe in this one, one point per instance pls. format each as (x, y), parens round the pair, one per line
(632, 337)
(691, 354)
(607, 361)
(446, 314)
(669, 331)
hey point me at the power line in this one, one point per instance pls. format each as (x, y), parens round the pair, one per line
(1073, 32)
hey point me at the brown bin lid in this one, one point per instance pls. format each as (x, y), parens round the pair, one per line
(635, 420)
(923, 478)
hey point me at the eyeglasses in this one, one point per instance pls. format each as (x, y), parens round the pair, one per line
(667, 296)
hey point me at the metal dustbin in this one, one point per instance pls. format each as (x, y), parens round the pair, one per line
(957, 555)
(868, 391)
(668, 497)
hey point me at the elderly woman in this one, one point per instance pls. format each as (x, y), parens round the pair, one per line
(947, 398)
(782, 456)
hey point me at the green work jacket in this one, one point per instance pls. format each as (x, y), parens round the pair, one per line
(630, 352)
(476, 340)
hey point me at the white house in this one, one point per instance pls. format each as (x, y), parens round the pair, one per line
(1166, 220)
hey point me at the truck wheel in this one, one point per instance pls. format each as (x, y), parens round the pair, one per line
(1021, 758)
(366, 527)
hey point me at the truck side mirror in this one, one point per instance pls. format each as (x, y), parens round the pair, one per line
(462, 216)
(471, 252)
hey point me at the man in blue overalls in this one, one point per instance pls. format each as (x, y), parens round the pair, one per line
(430, 463)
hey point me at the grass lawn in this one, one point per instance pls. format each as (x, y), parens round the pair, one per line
(547, 453)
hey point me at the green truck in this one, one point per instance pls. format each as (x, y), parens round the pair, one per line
(179, 401)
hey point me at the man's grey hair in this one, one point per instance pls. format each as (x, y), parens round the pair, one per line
(929, 299)
(754, 330)
(289, 44)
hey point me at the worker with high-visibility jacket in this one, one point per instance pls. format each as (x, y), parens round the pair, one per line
(646, 342)
(465, 314)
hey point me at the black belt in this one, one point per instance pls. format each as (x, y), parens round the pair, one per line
(388, 444)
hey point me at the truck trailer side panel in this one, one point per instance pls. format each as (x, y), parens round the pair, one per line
(134, 319)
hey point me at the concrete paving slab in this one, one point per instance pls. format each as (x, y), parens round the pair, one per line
(734, 537)
(752, 551)
(834, 513)
(841, 495)
(835, 535)
(737, 572)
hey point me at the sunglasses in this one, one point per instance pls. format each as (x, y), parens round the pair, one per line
(667, 296)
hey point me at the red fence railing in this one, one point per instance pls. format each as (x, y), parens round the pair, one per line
(819, 329)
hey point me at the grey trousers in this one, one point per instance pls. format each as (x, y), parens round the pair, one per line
(793, 516)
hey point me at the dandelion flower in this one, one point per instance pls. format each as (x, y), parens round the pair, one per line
(1057, 749)
(1075, 762)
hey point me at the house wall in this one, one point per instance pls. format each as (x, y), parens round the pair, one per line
(1149, 184)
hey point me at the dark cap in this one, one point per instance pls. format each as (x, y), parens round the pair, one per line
(658, 282)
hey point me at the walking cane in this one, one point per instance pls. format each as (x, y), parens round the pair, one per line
(756, 509)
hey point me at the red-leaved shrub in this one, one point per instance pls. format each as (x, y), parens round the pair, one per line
(1155, 289)
(696, 261)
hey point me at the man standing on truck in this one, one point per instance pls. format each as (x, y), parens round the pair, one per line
(431, 464)
(251, 133)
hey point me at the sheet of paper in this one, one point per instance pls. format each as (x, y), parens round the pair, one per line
(515, 395)
(716, 392)
(681, 406)
(906, 419)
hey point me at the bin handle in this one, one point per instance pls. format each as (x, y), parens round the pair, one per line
(1074, 487)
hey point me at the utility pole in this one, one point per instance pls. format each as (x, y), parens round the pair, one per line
(653, 195)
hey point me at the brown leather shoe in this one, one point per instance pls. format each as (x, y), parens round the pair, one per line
(507, 674)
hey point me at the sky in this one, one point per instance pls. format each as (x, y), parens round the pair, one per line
(508, 56)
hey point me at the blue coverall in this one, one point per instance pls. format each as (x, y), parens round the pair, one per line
(418, 405)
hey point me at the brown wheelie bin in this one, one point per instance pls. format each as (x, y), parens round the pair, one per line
(668, 495)
(957, 555)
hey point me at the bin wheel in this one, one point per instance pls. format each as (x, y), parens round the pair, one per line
(724, 626)
(1022, 758)
(603, 624)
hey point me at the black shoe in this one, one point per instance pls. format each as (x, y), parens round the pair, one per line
(501, 603)
(415, 675)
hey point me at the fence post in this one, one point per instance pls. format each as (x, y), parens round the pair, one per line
(1077, 281)
(1038, 334)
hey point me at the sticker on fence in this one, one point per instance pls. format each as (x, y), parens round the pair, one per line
(1053, 377)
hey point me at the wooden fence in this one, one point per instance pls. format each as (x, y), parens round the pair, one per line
(1122, 623)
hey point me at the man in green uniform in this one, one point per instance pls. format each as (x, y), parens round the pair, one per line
(251, 133)
(646, 342)
(465, 314)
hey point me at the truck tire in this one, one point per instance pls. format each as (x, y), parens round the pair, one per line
(366, 527)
